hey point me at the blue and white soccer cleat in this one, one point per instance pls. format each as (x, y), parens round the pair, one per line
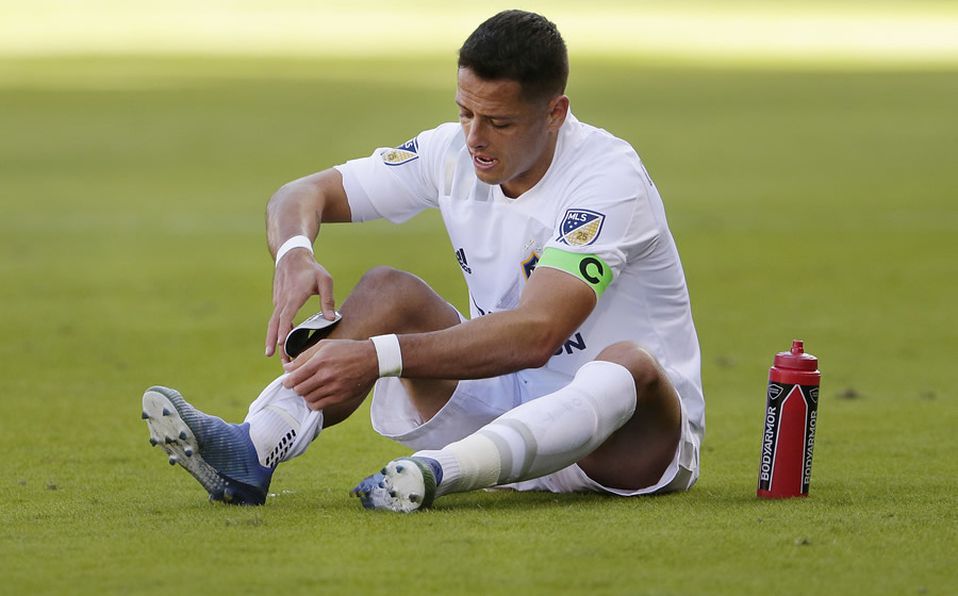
(219, 455)
(403, 485)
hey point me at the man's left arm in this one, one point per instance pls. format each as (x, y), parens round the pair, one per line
(552, 306)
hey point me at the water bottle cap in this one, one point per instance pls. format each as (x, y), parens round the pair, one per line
(796, 358)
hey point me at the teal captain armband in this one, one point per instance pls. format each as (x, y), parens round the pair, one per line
(589, 268)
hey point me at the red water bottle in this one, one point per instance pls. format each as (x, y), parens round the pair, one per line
(791, 414)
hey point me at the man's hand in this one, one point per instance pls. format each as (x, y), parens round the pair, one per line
(334, 371)
(298, 276)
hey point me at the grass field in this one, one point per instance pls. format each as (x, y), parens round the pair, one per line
(812, 204)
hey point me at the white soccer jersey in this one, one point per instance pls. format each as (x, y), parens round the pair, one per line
(595, 199)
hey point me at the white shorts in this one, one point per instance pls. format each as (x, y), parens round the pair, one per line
(478, 402)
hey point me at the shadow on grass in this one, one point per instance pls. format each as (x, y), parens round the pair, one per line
(514, 501)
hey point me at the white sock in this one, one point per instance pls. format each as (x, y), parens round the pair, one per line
(280, 425)
(541, 436)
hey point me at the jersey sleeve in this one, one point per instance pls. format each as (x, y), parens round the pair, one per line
(396, 183)
(607, 220)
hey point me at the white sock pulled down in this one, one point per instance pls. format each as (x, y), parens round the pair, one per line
(543, 435)
(280, 425)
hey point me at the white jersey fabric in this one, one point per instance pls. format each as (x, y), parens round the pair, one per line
(596, 198)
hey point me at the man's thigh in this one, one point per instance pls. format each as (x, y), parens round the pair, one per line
(387, 300)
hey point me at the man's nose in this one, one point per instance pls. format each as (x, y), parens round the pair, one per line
(475, 135)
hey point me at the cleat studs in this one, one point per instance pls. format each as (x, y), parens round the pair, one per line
(144, 416)
(153, 442)
(384, 471)
(382, 485)
(188, 452)
(182, 435)
(169, 440)
(393, 494)
(399, 469)
(413, 498)
(173, 459)
(166, 412)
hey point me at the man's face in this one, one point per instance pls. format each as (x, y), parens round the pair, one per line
(511, 138)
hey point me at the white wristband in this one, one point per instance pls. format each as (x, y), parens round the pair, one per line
(388, 354)
(294, 242)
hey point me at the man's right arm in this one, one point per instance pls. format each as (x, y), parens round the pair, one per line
(297, 209)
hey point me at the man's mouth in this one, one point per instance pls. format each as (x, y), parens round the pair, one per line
(484, 163)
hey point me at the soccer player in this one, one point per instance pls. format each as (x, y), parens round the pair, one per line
(578, 368)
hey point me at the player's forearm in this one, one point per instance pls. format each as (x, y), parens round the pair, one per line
(552, 306)
(299, 207)
(492, 345)
(292, 211)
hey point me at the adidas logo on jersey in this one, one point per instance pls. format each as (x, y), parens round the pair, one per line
(461, 257)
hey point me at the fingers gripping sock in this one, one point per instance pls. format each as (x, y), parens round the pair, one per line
(543, 435)
(281, 425)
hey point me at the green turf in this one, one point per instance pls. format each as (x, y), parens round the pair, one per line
(132, 190)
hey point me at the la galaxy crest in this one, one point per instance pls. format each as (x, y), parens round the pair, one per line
(580, 227)
(404, 153)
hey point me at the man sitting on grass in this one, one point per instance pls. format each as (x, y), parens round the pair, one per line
(579, 367)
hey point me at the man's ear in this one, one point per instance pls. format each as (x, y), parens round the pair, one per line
(558, 109)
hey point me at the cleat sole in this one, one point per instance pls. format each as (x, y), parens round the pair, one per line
(164, 422)
(402, 487)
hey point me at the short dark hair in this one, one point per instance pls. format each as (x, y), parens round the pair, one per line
(520, 46)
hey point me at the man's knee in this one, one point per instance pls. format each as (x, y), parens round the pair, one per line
(646, 370)
(400, 301)
(384, 279)
(392, 289)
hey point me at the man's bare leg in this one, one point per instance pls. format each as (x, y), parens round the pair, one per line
(387, 300)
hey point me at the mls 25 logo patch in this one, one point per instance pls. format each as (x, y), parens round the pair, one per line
(404, 153)
(580, 227)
